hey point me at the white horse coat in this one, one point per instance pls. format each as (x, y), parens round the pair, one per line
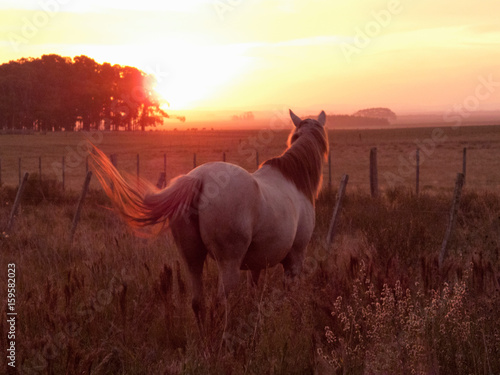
(242, 220)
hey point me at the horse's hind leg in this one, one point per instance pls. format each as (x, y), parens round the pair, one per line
(229, 276)
(188, 240)
(293, 262)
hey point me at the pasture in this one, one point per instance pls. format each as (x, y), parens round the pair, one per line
(440, 155)
(373, 303)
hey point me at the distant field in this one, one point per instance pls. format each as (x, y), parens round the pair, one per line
(441, 154)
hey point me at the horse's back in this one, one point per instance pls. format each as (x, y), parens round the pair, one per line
(227, 203)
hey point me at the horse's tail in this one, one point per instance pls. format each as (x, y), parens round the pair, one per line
(141, 203)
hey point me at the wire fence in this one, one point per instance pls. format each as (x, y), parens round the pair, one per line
(377, 170)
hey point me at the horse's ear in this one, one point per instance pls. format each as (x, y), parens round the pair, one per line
(296, 119)
(322, 118)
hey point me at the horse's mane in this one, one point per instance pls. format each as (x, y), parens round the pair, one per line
(302, 161)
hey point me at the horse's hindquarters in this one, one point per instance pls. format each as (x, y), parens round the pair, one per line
(226, 209)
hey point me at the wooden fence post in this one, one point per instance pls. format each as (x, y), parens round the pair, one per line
(336, 211)
(417, 182)
(16, 203)
(453, 217)
(194, 160)
(224, 157)
(161, 181)
(373, 173)
(76, 218)
(257, 158)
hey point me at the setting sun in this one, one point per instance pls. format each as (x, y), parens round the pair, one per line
(196, 74)
(409, 56)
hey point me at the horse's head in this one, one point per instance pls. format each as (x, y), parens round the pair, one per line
(302, 161)
(309, 126)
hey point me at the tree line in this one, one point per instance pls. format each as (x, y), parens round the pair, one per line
(54, 93)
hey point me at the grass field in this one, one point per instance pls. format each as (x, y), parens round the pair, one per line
(374, 303)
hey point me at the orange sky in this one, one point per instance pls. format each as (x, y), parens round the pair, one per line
(336, 55)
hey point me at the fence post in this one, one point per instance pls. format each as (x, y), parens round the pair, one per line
(194, 160)
(417, 182)
(373, 173)
(336, 211)
(453, 217)
(223, 156)
(161, 181)
(464, 163)
(16, 203)
(257, 158)
(165, 165)
(76, 218)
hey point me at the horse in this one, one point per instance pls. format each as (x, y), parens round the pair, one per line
(244, 221)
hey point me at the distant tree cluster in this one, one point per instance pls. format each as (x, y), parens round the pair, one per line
(365, 118)
(54, 93)
(347, 121)
(383, 113)
(245, 116)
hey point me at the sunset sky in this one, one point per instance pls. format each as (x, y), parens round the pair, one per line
(340, 56)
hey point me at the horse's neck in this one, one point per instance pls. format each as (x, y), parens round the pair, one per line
(274, 186)
(268, 175)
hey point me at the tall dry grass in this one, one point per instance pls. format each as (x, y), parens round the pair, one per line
(114, 303)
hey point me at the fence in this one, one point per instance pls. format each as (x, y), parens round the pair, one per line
(379, 170)
(336, 212)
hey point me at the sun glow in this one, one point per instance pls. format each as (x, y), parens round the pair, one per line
(195, 75)
(256, 55)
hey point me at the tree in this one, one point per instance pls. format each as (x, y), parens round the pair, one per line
(245, 116)
(60, 93)
(383, 113)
